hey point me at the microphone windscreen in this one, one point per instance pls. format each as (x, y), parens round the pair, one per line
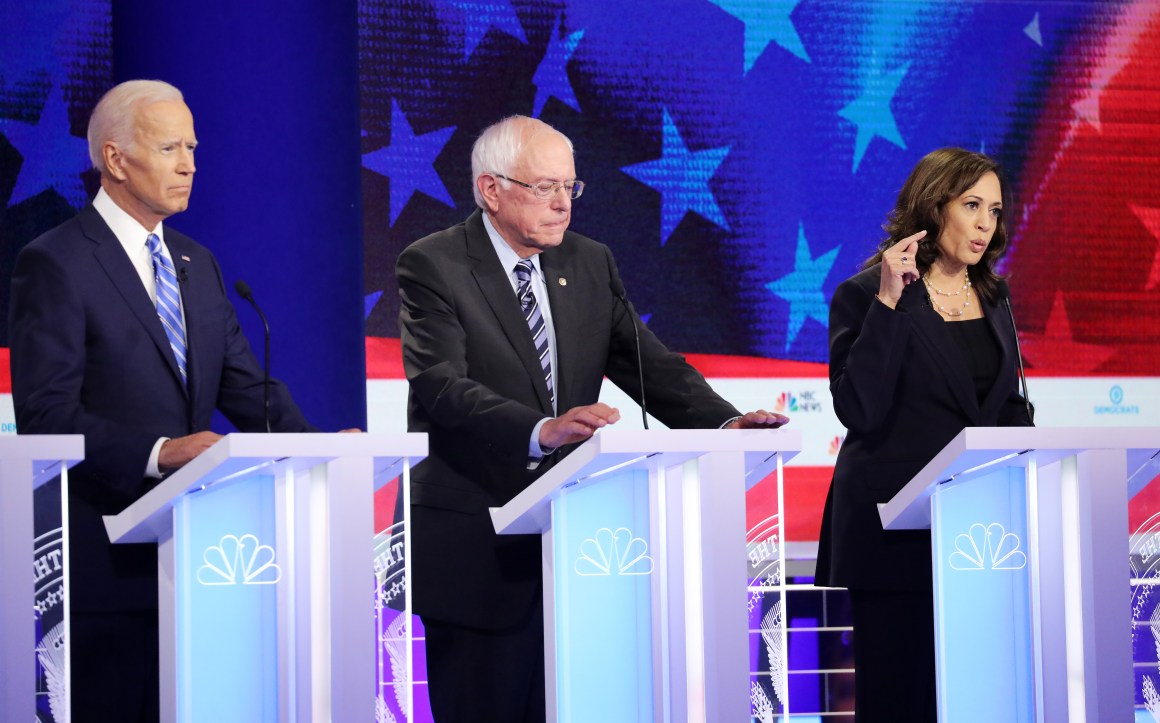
(243, 289)
(1003, 289)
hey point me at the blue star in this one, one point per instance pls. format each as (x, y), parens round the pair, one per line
(53, 158)
(476, 18)
(871, 112)
(408, 160)
(802, 287)
(682, 178)
(1032, 31)
(765, 21)
(369, 302)
(551, 78)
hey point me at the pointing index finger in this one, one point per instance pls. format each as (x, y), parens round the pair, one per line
(910, 243)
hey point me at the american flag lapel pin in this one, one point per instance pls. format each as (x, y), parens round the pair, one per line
(184, 257)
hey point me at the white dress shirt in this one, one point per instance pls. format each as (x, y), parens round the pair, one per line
(508, 258)
(134, 239)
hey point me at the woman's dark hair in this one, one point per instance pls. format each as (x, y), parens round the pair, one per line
(940, 177)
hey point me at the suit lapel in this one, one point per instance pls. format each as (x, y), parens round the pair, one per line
(931, 331)
(495, 286)
(565, 321)
(113, 260)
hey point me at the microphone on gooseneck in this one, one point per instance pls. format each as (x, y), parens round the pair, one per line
(617, 288)
(1005, 294)
(243, 290)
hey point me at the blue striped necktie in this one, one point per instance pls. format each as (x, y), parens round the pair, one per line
(535, 321)
(169, 303)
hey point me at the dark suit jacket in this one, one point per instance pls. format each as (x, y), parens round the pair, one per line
(89, 357)
(902, 391)
(477, 390)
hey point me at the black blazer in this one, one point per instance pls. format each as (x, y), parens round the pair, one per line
(902, 391)
(89, 357)
(477, 390)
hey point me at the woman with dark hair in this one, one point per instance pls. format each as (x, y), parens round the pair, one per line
(919, 349)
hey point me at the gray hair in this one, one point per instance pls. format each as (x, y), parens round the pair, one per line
(498, 148)
(115, 118)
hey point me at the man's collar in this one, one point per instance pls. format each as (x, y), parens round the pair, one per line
(508, 258)
(126, 228)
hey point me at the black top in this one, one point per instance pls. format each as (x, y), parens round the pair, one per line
(902, 388)
(980, 352)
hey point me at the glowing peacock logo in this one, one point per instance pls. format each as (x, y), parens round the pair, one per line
(239, 561)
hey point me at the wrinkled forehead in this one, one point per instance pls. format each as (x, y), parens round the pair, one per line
(167, 118)
(546, 155)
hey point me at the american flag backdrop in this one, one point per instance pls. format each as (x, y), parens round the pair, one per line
(741, 155)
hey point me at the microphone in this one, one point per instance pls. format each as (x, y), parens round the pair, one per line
(617, 288)
(1005, 294)
(182, 275)
(243, 290)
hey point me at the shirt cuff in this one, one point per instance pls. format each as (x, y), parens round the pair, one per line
(535, 451)
(152, 469)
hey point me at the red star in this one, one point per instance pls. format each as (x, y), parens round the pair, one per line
(1056, 350)
(1150, 217)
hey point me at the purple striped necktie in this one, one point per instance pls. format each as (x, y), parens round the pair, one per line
(535, 321)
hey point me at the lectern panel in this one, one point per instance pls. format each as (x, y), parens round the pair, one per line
(983, 611)
(228, 571)
(604, 564)
(1144, 566)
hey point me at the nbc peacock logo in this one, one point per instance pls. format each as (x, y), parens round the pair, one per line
(239, 560)
(987, 547)
(609, 553)
(836, 444)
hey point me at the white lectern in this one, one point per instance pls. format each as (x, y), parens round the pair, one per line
(1029, 531)
(645, 571)
(265, 557)
(26, 462)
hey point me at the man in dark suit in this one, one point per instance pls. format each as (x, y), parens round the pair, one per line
(121, 330)
(505, 366)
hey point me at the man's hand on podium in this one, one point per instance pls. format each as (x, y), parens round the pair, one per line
(177, 452)
(577, 425)
(760, 419)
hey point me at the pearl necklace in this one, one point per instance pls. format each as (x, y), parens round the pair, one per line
(964, 290)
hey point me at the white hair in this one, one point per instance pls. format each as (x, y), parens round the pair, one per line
(498, 148)
(115, 117)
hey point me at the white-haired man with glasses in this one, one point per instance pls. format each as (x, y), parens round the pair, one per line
(509, 324)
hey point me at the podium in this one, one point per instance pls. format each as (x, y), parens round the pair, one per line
(266, 575)
(26, 463)
(1029, 536)
(644, 563)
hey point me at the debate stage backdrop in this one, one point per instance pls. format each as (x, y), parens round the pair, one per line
(740, 157)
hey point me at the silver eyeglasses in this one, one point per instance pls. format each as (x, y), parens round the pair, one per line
(546, 189)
